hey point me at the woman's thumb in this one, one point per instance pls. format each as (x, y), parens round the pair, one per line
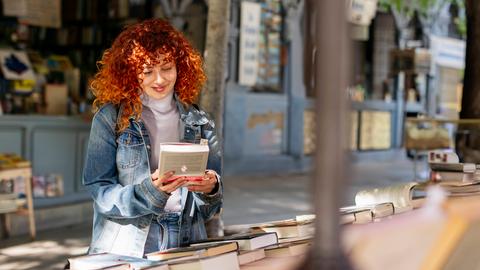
(155, 174)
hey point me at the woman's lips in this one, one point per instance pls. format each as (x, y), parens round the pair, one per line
(159, 89)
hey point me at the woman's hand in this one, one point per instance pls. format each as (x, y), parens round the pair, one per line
(206, 185)
(167, 182)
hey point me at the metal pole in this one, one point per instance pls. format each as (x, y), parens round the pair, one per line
(328, 44)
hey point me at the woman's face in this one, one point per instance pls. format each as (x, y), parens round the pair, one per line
(158, 80)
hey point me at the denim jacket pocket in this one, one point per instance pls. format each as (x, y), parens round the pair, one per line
(130, 145)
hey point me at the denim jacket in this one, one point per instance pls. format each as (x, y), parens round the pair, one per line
(117, 175)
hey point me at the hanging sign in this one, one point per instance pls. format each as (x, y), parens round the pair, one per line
(361, 12)
(249, 39)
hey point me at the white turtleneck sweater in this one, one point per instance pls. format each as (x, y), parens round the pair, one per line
(161, 118)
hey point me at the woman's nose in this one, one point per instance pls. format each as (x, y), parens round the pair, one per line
(158, 77)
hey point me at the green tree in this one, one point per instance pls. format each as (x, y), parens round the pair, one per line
(427, 12)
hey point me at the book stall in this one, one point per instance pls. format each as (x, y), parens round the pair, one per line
(432, 223)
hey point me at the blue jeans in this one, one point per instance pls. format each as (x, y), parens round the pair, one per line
(163, 232)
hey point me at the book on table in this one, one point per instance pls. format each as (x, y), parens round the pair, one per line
(201, 250)
(368, 213)
(290, 228)
(443, 237)
(447, 176)
(104, 260)
(295, 239)
(359, 216)
(455, 189)
(453, 167)
(404, 196)
(303, 226)
(288, 249)
(454, 172)
(186, 159)
(226, 261)
(354, 215)
(246, 241)
(248, 256)
(159, 266)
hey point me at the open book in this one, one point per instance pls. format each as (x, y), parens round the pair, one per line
(404, 196)
(186, 159)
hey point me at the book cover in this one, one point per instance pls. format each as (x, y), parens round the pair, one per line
(103, 260)
(288, 249)
(246, 241)
(377, 210)
(227, 261)
(248, 256)
(186, 159)
(202, 250)
(453, 167)
(294, 229)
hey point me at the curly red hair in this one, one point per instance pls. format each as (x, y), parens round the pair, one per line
(117, 78)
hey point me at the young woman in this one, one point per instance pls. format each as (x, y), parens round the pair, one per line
(145, 89)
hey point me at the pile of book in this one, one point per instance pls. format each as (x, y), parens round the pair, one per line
(442, 235)
(458, 179)
(263, 245)
(12, 161)
(455, 178)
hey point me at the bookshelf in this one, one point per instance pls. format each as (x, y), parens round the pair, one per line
(25, 174)
(87, 28)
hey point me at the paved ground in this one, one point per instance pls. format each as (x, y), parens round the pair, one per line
(247, 200)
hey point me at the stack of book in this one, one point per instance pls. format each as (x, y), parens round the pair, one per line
(12, 161)
(444, 236)
(453, 172)
(458, 179)
(290, 228)
(251, 245)
(226, 259)
(226, 253)
(366, 213)
(292, 239)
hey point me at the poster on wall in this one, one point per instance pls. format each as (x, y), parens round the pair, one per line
(46, 13)
(14, 8)
(15, 65)
(249, 39)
